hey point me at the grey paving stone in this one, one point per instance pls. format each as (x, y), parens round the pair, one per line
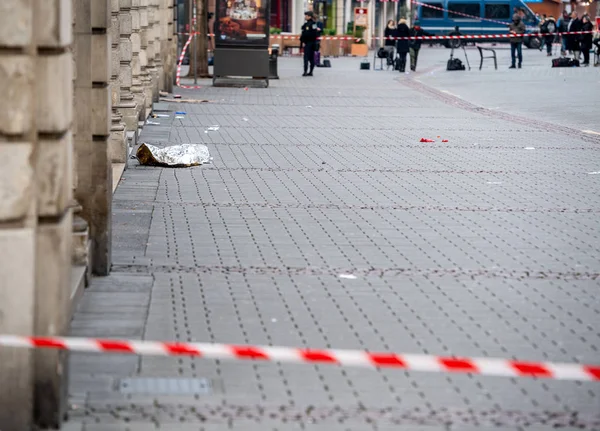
(474, 247)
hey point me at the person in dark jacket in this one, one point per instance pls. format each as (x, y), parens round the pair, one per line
(563, 23)
(573, 40)
(586, 39)
(402, 45)
(548, 29)
(415, 45)
(515, 28)
(390, 31)
(308, 39)
(388, 46)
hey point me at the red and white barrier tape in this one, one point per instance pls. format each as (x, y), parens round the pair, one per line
(347, 358)
(484, 36)
(463, 36)
(180, 62)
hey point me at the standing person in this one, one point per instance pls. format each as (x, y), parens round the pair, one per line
(390, 31)
(415, 44)
(596, 41)
(403, 44)
(542, 20)
(516, 42)
(586, 39)
(320, 28)
(573, 40)
(308, 39)
(548, 29)
(563, 24)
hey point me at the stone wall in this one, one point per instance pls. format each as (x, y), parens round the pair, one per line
(76, 77)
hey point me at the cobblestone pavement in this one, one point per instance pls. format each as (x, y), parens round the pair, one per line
(486, 245)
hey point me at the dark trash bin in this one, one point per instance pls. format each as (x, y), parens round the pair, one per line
(273, 62)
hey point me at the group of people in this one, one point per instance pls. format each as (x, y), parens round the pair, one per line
(404, 46)
(575, 44)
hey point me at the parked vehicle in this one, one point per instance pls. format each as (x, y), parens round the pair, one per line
(443, 22)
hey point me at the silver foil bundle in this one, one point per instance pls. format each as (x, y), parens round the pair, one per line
(175, 156)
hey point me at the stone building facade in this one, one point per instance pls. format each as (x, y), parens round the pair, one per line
(77, 79)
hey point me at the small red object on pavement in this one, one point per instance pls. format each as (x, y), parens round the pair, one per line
(426, 140)
(444, 140)
(177, 96)
(246, 88)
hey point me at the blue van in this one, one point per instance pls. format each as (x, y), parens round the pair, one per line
(442, 22)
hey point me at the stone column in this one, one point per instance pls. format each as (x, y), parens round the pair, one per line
(92, 121)
(137, 85)
(18, 219)
(151, 87)
(118, 143)
(127, 106)
(164, 38)
(157, 32)
(54, 114)
(171, 58)
(145, 76)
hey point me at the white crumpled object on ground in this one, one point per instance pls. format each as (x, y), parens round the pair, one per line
(175, 156)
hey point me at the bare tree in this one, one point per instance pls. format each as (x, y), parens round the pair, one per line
(199, 62)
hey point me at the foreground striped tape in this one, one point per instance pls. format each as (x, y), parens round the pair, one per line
(347, 358)
(462, 36)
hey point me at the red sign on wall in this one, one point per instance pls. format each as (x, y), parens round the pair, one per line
(361, 17)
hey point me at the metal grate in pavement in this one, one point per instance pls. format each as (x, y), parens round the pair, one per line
(164, 386)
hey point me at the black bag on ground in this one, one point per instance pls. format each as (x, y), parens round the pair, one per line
(565, 62)
(455, 64)
(326, 63)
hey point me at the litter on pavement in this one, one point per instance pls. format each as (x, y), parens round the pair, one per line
(166, 99)
(180, 113)
(213, 128)
(153, 123)
(348, 276)
(529, 148)
(183, 155)
(426, 140)
(160, 115)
